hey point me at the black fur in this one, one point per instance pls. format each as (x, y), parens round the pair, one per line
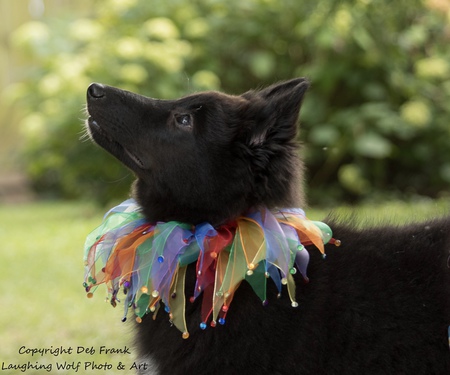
(213, 169)
(379, 304)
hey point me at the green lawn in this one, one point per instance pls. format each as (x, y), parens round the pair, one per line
(390, 211)
(43, 304)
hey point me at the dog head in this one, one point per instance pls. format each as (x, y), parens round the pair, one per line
(207, 156)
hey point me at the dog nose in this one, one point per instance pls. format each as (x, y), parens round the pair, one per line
(96, 90)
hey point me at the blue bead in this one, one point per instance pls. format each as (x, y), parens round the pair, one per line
(167, 309)
(160, 259)
(203, 325)
(221, 321)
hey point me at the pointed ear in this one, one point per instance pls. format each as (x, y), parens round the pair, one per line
(294, 89)
(279, 107)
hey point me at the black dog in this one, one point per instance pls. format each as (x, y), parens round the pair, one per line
(378, 304)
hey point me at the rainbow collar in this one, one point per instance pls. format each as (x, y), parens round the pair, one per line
(148, 261)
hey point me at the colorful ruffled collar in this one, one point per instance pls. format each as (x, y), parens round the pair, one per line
(148, 261)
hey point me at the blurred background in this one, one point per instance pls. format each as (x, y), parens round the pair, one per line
(375, 124)
(375, 127)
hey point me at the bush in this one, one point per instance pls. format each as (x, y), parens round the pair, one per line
(376, 118)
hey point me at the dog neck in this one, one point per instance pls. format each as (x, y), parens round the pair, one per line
(148, 261)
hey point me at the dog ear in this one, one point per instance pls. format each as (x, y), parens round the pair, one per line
(269, 142)
(294, 89)
(278, 108)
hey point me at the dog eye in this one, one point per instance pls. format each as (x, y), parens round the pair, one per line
(184, 121)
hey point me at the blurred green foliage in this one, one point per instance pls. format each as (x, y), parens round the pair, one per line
(375, 120)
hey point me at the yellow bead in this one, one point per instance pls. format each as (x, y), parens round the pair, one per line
(251, 266)
(185, 335)
(144, 290)
(138, 319)
(90, 295)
